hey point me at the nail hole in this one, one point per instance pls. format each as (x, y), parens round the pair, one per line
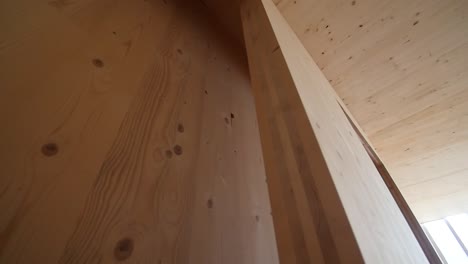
(178, 150)
(353, 3)
(123, 249)
(232, 116)
(49, 149)
(209, 203)
(206, 92)
(98, 63)
(180, 128)
(180, 51)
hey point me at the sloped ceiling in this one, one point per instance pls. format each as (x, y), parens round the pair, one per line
(401, 67)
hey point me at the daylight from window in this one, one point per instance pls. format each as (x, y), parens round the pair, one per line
(449, 236)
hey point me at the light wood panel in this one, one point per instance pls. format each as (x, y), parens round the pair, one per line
(329, 202)
(128, 135)
(410, 218)
(400, 67)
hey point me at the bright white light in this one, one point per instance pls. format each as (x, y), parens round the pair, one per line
(446, 242)
(460, 224)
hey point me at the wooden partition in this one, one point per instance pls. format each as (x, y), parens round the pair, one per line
(128, 135)
(400, 67)
(330, 205)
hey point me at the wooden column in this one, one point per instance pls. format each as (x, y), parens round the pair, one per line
(128, 136)
(329, 203)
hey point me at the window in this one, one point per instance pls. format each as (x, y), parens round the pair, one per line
(449, 237)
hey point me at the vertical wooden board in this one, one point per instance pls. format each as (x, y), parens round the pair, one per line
(116, 145)
(329, 202)
(227, 14)
(230, 132)
(400, 67)
(413, 223)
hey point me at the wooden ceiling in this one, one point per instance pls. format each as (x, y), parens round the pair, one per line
(401, 68)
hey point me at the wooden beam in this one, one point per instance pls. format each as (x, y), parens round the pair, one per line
(401, 69)
(417, 229)
(329, 202)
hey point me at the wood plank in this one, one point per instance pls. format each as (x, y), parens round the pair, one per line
(400, 68)
(413, 223)
(330, 205)
(129, 135)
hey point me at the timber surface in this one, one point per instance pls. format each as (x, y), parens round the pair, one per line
(329, 202)
(128, 135)
(400, 67)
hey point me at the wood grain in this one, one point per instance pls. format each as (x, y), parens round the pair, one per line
(413, 223)
(400, 68)
(329, 202)
(129, 136)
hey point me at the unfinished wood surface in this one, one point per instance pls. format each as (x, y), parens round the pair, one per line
(226, 13)
(128, 135)
(413, 223)
(400, 67)
(329, 203)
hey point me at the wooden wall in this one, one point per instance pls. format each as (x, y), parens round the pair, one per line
(400, 67)
(128, 134)
(329, 201)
